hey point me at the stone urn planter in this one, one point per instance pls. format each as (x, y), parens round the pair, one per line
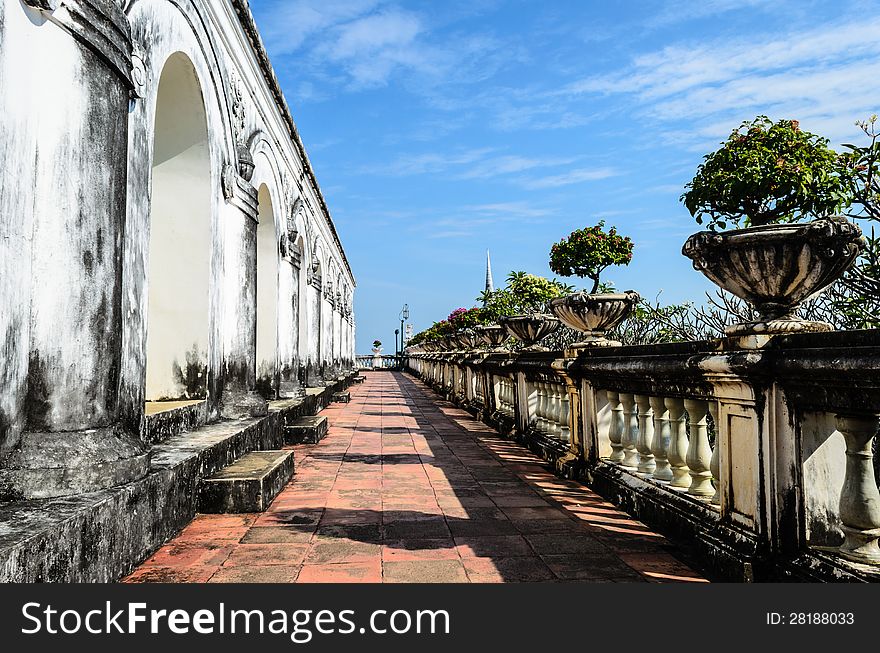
(530, 329)
(776, 267)
(449, 343)
(594, 314)
(377, 357)
(466, 339)
(493, 336)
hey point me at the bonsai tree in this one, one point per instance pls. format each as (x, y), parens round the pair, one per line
(377, 344)
(587, 252)
(767, 172)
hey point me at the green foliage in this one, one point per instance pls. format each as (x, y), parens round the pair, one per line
(587, 252)
(377, 344)
(525, 293)
(768, 173)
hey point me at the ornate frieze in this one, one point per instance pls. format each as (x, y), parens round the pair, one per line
(100, 25)
(239, 128)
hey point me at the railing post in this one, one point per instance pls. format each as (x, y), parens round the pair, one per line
(715, 462)
(630, 431)
(660, 446)
(699, 452)
(859, 498)
(615, 428)
(646, 435)
(678, 444)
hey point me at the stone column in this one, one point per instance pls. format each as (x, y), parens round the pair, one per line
(314, 335)
(289, 385)
(66, 99)
(239, 224)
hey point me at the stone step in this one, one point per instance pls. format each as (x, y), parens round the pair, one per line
(247, 485)
(306, 430)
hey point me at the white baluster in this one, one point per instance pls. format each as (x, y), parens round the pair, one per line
(699, 452)
(540, 407)
(615, 428)
(660, 446)
(555, 410)
(565, 416)
(859, 498)
(715, 462)
(646, 435)
(630, 431)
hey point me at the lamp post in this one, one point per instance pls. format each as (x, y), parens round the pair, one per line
(396, 344)
(404, 316)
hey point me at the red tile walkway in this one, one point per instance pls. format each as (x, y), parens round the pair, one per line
(407, 488)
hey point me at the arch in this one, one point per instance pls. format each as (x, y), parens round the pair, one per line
(181, 233)
(267, 309)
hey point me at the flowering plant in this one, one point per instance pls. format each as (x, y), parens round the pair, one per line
(587, 252)
(465, 318)
(768, 173)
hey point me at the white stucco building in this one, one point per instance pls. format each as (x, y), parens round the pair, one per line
(163, 235)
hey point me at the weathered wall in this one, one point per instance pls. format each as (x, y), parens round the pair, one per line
(125, 247)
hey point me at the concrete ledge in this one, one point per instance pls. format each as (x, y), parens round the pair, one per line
(308, 430)
(166, 423)
(247, 485)
(341, 397)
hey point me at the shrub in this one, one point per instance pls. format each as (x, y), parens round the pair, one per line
(767, 173)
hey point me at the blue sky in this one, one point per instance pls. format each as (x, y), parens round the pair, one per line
(439, 129)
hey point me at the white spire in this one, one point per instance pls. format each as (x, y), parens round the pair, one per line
(490, 286)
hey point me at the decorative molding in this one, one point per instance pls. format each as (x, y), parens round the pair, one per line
(100, 25)
(140, 74)
(240, 192)
(238, 122)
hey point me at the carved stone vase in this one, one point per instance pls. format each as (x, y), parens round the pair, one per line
(776, 267)
(493, 336)
(594, 314)
(530, 329)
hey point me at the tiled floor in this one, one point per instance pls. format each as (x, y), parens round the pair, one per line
(406, 488)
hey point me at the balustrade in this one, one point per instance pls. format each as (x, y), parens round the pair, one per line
(775, 443)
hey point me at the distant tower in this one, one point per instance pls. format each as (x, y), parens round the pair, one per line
(490, 286)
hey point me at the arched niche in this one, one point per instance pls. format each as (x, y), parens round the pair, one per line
(179, 254)
(268, 261)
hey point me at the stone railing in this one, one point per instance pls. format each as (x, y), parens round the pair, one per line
(762, 458)
(373, 362)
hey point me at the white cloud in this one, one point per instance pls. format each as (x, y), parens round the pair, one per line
(576, 176)
(826, 77)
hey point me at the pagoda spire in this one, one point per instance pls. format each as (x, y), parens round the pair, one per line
(490, 285)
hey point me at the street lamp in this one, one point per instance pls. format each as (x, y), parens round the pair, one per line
(404, 316)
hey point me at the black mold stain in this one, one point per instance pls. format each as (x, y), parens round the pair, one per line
(192, 378)
(88, 262)
(265, 386)
(37, 405)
